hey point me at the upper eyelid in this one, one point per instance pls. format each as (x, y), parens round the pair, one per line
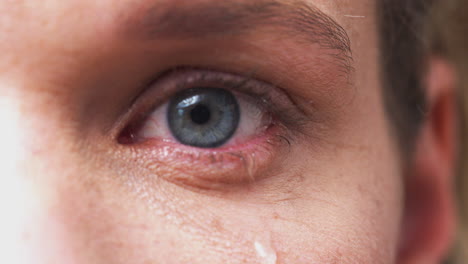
(219, 18)
(266, 94)
(167, 84)
(266, 147)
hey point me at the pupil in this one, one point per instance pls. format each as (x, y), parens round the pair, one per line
(200, 114)
(203, 117)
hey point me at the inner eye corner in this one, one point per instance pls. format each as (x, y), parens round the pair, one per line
(205, 110)
(127, 135)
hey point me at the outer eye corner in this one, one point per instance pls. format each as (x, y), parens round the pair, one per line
(208, 129)
(206, 110)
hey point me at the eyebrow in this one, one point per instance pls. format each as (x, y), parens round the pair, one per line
(201, 19)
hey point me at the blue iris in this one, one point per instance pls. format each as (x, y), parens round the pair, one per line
(203, 117)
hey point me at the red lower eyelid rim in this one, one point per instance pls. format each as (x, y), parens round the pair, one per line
(129, 134)
(212, 168)
(129, 137)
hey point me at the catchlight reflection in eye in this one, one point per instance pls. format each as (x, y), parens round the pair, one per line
(210, 129)
(206, 115)
(203, 117)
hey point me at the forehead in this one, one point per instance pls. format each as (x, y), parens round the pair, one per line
(73, 26)
(60, 15)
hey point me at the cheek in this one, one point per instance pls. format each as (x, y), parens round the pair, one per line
(338, 203)
(338, 206)
(348, 210)
(331, 214)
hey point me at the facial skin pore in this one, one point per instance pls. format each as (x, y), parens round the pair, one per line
(73, 75)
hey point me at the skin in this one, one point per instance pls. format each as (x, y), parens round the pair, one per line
(73, 194)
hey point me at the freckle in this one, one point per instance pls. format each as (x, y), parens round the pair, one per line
(217, 225)
(378, 203)
(275, 215)
(362, 190)
(173, 243)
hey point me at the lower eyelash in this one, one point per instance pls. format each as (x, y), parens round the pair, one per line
(214, 169)
(229, 165)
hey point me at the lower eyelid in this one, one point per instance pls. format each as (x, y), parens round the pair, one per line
(213, 169)
(236, 162)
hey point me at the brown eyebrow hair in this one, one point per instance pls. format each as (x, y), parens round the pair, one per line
(201, 19)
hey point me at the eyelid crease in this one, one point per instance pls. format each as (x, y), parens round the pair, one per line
(272, 99)
(266, 96)
(200, 19)
(229, 167)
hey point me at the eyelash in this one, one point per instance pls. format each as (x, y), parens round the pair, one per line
(203, 168)
(264, 96)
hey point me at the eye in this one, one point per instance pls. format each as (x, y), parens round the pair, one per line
(205, 128)
(207, 111)
(203, 117)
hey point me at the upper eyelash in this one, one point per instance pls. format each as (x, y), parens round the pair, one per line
(286, 114)
(289, 116)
